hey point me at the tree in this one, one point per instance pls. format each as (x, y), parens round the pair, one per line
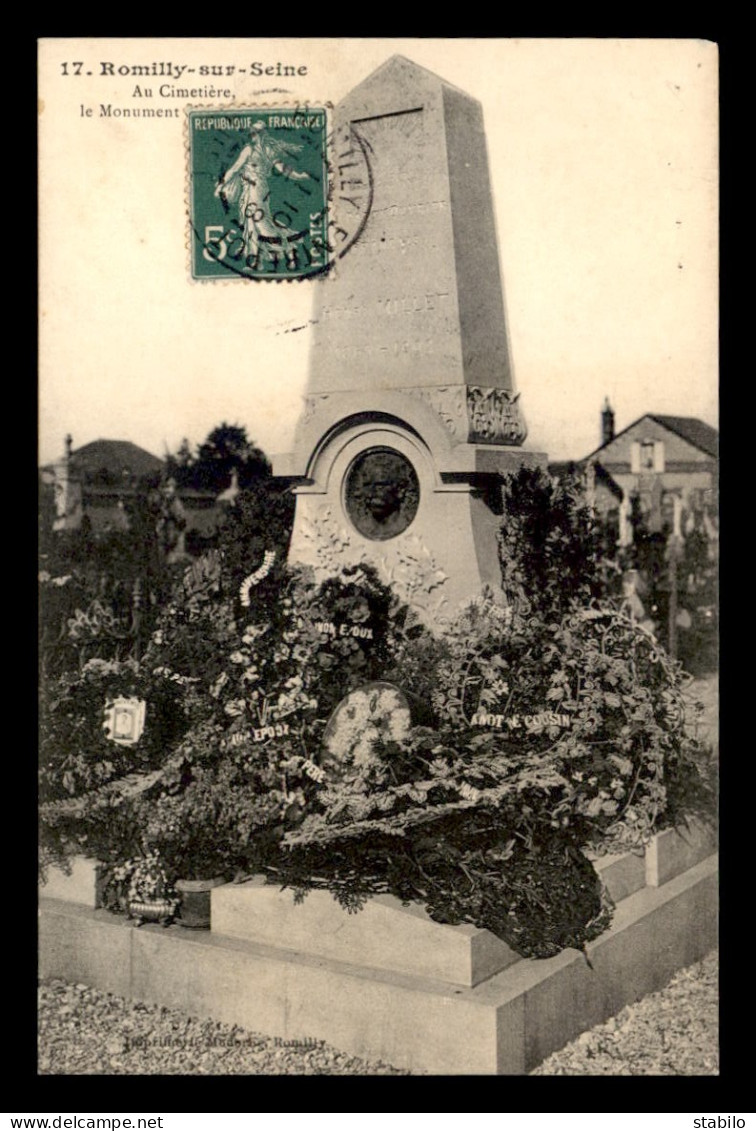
(551, 549)
(180, 466)
(261, 520)
(228, 447)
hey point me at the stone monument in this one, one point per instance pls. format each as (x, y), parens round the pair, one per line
(410, 410)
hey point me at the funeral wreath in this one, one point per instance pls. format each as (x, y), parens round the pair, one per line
(316, 732)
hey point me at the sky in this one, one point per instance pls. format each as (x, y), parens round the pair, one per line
(604, 167)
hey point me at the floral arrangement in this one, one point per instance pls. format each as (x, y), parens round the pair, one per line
(372, 714)
(548, 739)
(321, 736)
(83, 772)
(241, 762)
(141, 888)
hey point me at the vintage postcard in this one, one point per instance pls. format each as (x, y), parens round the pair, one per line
(385, 276)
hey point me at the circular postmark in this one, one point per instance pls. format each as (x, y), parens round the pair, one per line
(350, 189)
(273, 193)
(381, 493)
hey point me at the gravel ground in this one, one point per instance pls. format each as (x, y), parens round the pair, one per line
(83, 1031)
(86, 1032)
(674, 1032)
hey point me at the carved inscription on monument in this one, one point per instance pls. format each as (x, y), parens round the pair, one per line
(388, 305)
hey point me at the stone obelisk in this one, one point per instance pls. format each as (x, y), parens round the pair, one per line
(410, 410)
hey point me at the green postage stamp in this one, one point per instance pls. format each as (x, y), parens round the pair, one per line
(258, 193)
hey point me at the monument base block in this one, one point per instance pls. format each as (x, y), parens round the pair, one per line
(385, 934)
(507, 1023)
(81, 884)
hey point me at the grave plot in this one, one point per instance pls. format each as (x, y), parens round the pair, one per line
(469, 884)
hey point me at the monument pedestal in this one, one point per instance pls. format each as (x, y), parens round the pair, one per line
(410, 414)
(448, 551)
(398, 987)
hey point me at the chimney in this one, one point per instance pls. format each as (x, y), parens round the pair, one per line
(607, 422)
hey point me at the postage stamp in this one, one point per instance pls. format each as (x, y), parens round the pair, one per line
(258, 193)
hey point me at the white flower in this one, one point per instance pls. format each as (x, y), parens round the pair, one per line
(363, 720)
(399, 725)
(253, 632)
(219, 684)
(469, 792)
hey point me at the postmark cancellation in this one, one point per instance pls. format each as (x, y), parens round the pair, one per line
(274, 192)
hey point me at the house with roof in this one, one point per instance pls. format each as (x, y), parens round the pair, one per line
(654, 487)
(99, 483)
(658, 476)
(660, 455)
(661, 471)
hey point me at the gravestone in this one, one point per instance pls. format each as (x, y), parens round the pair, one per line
(410, 410)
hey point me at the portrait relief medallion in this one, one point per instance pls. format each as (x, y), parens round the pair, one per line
(381, 493)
